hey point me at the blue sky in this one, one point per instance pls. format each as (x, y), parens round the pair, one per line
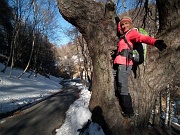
(64, 39)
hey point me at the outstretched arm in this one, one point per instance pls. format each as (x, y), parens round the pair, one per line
(138, 37)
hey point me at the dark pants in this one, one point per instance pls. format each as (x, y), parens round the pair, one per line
(123, 73)
(121, 88)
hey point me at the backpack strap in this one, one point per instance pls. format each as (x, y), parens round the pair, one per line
(129, 55)
(134, 67)
(127, 43)
(124, 37)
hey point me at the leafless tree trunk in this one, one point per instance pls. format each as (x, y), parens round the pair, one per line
(95, 21)
(29, 57)
(33, 41)
(13, 53)
(36, 54)
(14, 42)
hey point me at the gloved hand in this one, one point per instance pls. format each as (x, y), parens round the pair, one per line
(117, 19)
(160, 45)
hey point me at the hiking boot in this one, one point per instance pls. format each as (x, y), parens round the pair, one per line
(131, 115)
(126, 104)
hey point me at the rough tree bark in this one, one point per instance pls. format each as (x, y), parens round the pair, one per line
(95, 20)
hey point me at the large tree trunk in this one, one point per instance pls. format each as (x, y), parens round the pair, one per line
(96, 23)
(168, 14)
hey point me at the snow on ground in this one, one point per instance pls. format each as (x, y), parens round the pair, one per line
(78, 115)
(16, 93)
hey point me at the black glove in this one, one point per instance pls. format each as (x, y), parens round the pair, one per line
(117, 19)
(160, 45)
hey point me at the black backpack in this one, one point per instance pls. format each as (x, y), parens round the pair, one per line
(137, 53)
(138, 57)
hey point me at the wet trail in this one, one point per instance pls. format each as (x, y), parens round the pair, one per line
(42, 118)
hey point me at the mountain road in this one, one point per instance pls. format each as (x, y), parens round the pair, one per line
(42, 118)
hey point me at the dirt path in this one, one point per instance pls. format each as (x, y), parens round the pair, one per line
(43, 118)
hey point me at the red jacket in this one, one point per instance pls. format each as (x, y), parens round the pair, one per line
(132, 37)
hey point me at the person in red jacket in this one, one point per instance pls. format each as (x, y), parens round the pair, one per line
(125, 28)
